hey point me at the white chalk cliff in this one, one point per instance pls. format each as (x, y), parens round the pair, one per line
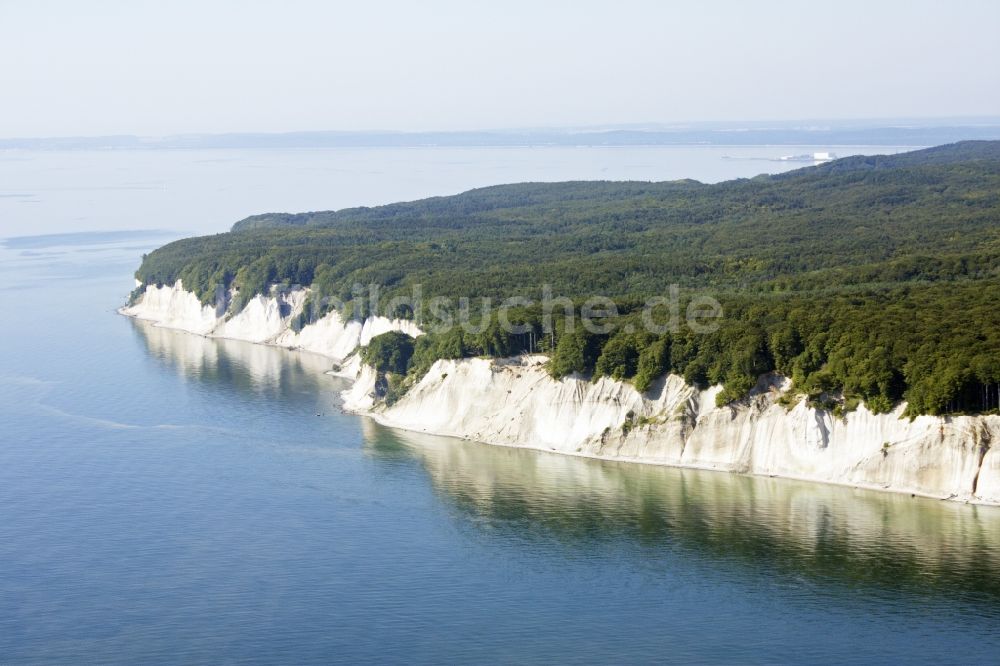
(264, 320)
(514, 402)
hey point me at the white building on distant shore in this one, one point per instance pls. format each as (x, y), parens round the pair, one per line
(825, 156)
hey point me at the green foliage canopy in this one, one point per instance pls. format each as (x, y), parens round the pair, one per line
(871, 278)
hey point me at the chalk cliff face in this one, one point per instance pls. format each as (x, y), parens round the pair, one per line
(515, 403)
(265, 320)
(173, 307)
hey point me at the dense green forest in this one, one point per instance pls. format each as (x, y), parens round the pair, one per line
(867, 278)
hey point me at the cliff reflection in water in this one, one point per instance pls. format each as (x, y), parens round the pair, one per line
(242, 365)
(855, 537)
(824, 533)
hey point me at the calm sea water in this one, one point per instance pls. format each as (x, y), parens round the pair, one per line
(166, 498)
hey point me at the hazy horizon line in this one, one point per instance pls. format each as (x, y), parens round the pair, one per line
(806, 124)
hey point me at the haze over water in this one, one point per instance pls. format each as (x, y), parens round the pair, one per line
(168, 498)
(205, 191)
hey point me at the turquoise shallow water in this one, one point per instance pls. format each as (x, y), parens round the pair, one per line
(170, 499)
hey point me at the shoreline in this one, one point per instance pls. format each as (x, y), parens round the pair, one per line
(381, 421)
(588, 419)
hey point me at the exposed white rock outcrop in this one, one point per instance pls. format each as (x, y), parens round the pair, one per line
(361, 396)
(173, 307)
(264, 320)
(515, 403)
(330, 336)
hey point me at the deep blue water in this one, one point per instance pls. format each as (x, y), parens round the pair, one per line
(170, 499)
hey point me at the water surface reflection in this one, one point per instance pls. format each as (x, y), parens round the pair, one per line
(241, 365)
(824, 533)
(854, 537)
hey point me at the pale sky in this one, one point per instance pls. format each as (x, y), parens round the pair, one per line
(176, 66)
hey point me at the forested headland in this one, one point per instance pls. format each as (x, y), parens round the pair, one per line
(867, 278)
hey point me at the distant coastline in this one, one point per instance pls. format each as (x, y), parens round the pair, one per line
(902, 132)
